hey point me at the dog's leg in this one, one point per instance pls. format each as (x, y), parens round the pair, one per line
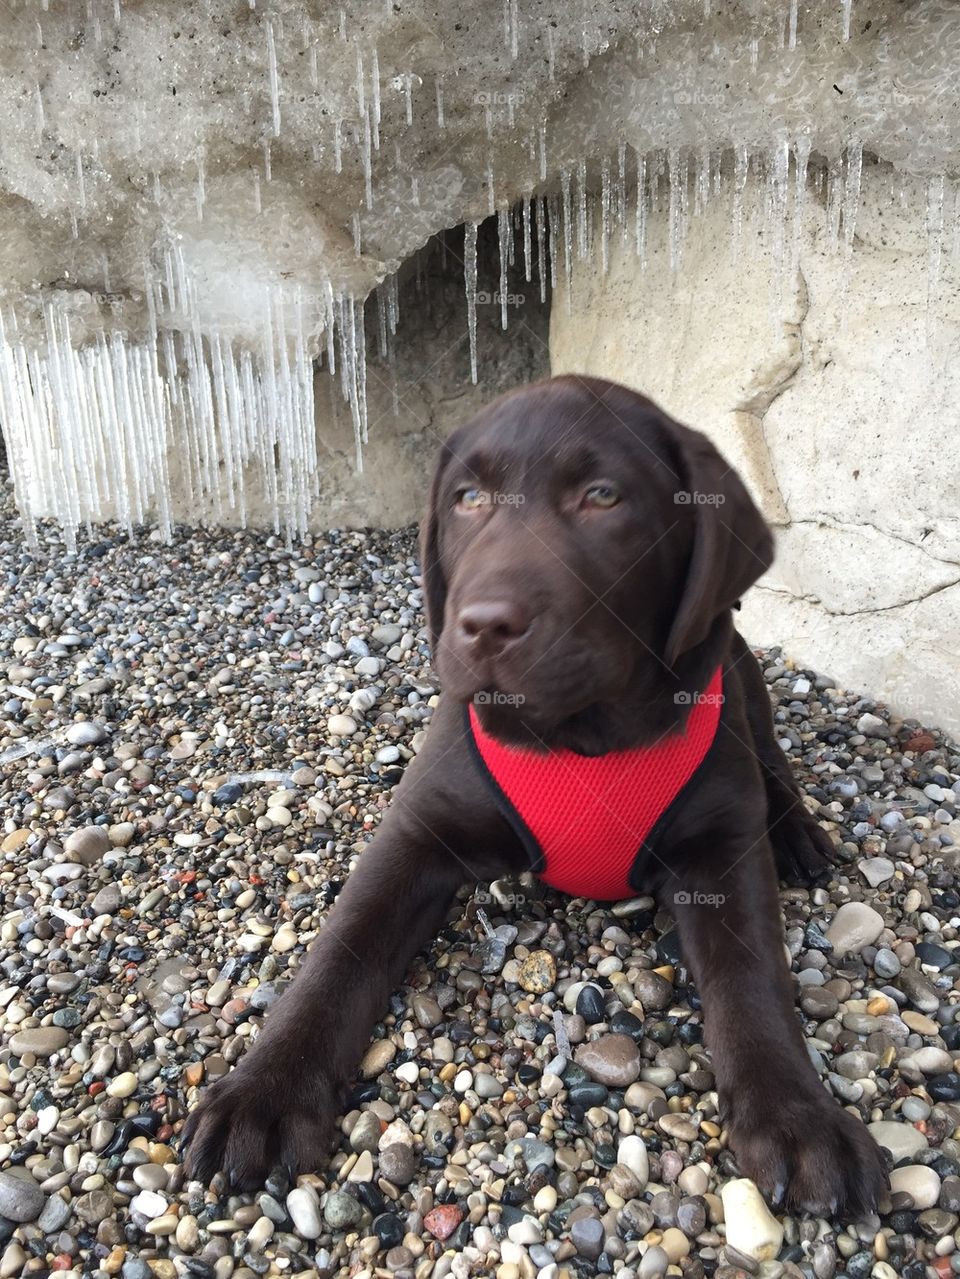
(789, 1135)
(803, 849)
(278, 1106)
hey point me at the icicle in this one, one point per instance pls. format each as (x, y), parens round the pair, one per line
(274, 78)
(514, 28)
(740, 169)
(314, 68)
(640, 227)
(360, 91)
(491, 195)
(267, 160)
(356, 233)
(470, 286)
(620, 215)
(542, 139)
(777, 190)
(677, 176)
(367, 161)
(488, 120)
(846, 7)
(567, 230)
(337, 146)
(792, 25)
(551, 56)
(381, 324)
(554, 237)
(82, 190)
(801, 159)
(583, 245)
(375, 86)
(408, 97)
(541, 216)
(439, 92)
(527, 241)
(605, 214)
(504, 237)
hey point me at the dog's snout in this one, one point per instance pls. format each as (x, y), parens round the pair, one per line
(490, 626)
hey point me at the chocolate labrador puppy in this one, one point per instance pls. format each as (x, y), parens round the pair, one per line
(581, 556)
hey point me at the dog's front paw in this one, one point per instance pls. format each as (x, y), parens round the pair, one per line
(811, 1156)
(256, 1119)
(804, 852)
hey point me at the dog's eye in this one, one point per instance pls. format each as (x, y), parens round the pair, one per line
(472, 499)
(600, 495)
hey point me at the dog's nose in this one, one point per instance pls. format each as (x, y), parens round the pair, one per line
(490, 626)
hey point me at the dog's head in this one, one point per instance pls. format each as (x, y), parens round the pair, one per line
(580, 547)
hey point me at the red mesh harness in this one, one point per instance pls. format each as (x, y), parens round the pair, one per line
(590, 822)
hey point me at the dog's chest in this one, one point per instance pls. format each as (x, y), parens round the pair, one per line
(590, 823)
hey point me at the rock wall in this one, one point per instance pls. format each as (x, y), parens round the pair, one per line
(200, 202)
(834, 387)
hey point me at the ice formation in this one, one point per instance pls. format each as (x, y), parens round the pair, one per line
(202, 204)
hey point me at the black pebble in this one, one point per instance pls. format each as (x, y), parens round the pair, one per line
(590, 1005)
(945, 1087)
(389, 1230)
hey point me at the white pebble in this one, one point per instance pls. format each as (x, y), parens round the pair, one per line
(633, 1154)
(751, 1228)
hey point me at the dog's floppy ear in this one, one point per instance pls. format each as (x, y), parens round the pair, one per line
(434, 580)
(732, 545)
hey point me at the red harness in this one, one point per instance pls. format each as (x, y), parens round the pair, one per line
(589, 822)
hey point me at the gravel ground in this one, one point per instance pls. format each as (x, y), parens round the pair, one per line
(196, 741)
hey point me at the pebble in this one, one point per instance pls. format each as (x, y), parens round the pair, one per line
(21, 1199)
(902, 1140)
(586, 1235)
(443, 1220)
(398, 1163)
(42, 1041)
(920, 1183)
(751, 1227)
(340, 1209)
(613, 1060)
(876, 870)
(88, 845)
(86, 733)
(125, 1085)
(855, 926)
(538, 972)
(632, 1153)
(164, 882)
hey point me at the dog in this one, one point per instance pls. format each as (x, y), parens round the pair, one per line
(581, 554)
